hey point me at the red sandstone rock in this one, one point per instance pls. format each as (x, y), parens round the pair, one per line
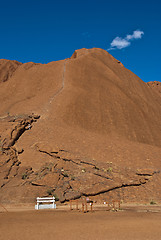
(98, 133)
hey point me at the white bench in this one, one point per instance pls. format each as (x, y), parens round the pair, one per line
(45, 203)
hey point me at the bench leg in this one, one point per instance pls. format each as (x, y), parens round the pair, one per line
(37, 206)
(53, 206)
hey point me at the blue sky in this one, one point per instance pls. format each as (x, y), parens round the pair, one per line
(44, 31)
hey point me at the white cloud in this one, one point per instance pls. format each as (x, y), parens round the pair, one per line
(119, 43)
(137, 34)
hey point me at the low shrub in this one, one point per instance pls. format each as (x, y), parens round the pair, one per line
(152, 202)
(109, 169)
(24, 176)
(56, 197)
(49, 191)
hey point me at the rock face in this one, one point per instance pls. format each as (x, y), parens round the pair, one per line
(84, 126)
(155, 86)
(7, 68)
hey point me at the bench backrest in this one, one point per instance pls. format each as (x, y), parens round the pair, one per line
(45, 199)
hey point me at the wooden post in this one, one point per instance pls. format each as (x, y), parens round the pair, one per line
(83, 207)
(113, 204)
(77, 204)
(86, 206)
(71, 205)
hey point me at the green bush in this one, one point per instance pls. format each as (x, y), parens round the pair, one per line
(24, 176)
(49, 191)
(109, 169)
(56, 197)
(152, 202)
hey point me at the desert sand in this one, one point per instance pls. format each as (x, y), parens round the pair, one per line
(132, 223)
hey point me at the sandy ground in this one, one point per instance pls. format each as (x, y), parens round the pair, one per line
(137, 222)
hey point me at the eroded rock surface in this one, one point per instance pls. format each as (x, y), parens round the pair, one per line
(68, 177)
(7, 68)
(156, 86)
(10, 170)
(98, 134)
